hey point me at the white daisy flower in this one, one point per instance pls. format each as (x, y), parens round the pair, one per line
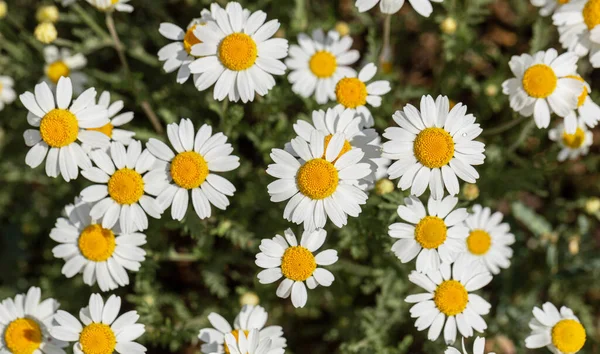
(24, 324)
(7, 93)
(120, 194)
(247, 344)
(587, 109)
(478, 347)
(572, 145)
(100, 331)
(192, 169)
(111, 5)
(543, 84)
(577, 22)
(423, 7)
(62, 63)
(433, 147)
(547, 7)
(436, 235)
(284, 257)
(101, 254)
(59, 125)
(318, 63)
(321, 184)
(561, 332)
(449, 300)
(250, 318)
(116, 119)
(238, 54)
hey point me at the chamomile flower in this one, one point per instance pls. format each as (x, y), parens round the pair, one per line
(543, 83)
(433, 236)
(7, 93)
(318, 63)
(24, 324)
(116, 119)
(59, 126)
(547, 7)
(250, 318)
(111, 5)
(561, 332)
(191, 171)
(449, 299)
(237, 53)
(100, 330)
(434, 146)
(587, 109)
(120, 192)
(478, 347)
(284, 257)
(62, 63)
(577, 22)
(423, 7)
(353, 93)
(321, 184)
(247, 343)
(101, 254)
(572, 145)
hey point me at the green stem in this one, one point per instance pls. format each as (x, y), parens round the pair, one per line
(503, 127)
(89, 21)
(524, 133)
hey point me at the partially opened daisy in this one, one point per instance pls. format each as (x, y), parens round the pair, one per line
(434, 146)
(436, 235)
(322, 183)
(296, 263)
(191, 172)
(449, 303)
(547, 7)
(116, 119)
(543, 84)
(577, 22)
(247, 343)
(24, 324)
(100, 330)
(318, 63)
(120, 192)
(58, 127)
(111, 5)
(238, 54)
(561, 332)
(423, 7)
(62, 63)
(587, 110)
(102, 254)
(7, 93)
(478, 347)
(572, 145)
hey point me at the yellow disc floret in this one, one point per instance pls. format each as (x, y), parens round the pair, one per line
(57, 69)
(584, 92)
(106, 129)
(189, 169)
(317, 179)
(434, 147)
(298, 263)
(96, 243)
(322, 64)
(126, 186)
(451, 297)
(23, 336)
(539, 81)
(238, 51)
(347, 147)
(236, 334)
(59, 128)
(97, 338)
(479, 242)
(591, 14)
(568, 336)
(351, 92)
(430, 232)
(575, 140)
(190, 39)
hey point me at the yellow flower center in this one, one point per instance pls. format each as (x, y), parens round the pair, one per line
(114, 1)
(298, 263)
(562, 2)
(539, 81)
(236, 335)
(189, 169)
(351, 92)
(1, 87)
(430, 232)
(126, 186)
(238, 51)
(190, 39)
(568, 336)
(23, 336)
(575, 140)
(59, 128)
(97, 338)
(317, 179)
(451, 297)
(96, 243)
(479, 242)
(57, 69)
(106, 129)
(591, 13)
(584, 92)
(347, 147)
(322, 64)
(434, 147)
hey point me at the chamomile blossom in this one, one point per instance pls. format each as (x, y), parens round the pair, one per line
(296, 263)
(24, 324)
(449, 303)
(478, 347)
(7, 93)
(58, 127)
(103, 255)
(572, 145)
(116, 119)
(319, 62)
(547, 7)
(423, 7)
(237, 54)
(560, 332)
(434, 146)
(587, 110)
(111, 5)
(191, 172)
(577, 22)
(100, 330)
(247, 344)
(62, 63)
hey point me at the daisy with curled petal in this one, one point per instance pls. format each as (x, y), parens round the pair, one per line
(24, 324)
(543, 83)
(101, 254)
(561, 332)
(247, 344)
(111, 5)
(318, 63)
(7, 93)
(62, 63)
(120, 192)
(192, 170)
(116, 119)
(478, 347)
(423, 7)
(572, 145)
(449, 299)
(547, 7)
(577, 22)
(100, 330)
(238, 54)
(587, 110)
(59, 125)
(434, 146)
(284, 257)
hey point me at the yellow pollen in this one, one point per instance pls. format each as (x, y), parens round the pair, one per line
(236, 335)
(298, 263)
(126, 186)
(591, 13)
(562, 2)
(190, 39)
(59, 128)
(351, 92)
(430, 232)
(539, 81)
(584, 92)
(451, 297)
(57, 69)
(434, 147)
(568, 336)
(317, 179)
(97, 338)
(347, 147)
(575, 140)
(323, 64)
(114, 1)
(106, 129)
(189, 169)
(479, 242)
(96, 243)
(23, 336)
(238, 51)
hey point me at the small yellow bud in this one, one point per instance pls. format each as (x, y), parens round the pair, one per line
(470, 191)
(448, 26)
(592, 205)
(3, 9)
(574, 245)
(249, 298)
(45, 32)
(47, 13)
(491, 90)
(384, 186)
(149, 299)
(342, 28)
